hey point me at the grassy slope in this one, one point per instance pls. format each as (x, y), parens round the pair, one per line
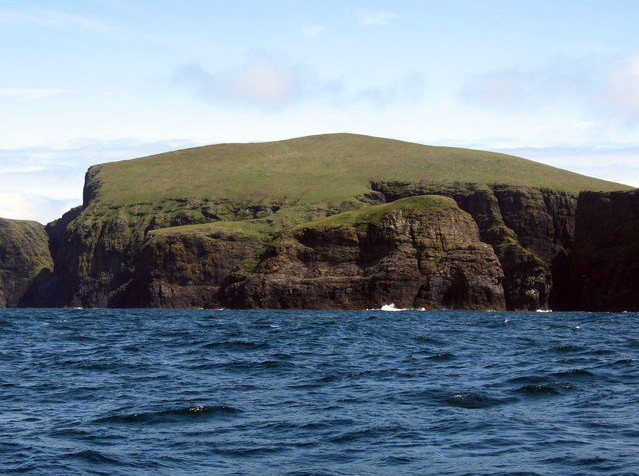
(247, 227)
(28, 239)
(374, 214)
(319, 169)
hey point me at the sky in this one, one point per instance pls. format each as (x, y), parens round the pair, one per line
(92, 81)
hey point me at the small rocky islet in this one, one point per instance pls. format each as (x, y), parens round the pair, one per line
(336, 221)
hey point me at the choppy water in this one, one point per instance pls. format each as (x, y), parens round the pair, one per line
(137, 392)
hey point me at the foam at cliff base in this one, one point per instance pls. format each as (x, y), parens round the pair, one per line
(392, 307)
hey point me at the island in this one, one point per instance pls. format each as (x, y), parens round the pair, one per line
(333, 221)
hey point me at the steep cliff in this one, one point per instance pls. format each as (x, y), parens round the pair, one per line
(602, 271)
(124, 247)
(186, 266)
(421, 252)
(24, 255)
(528, 228)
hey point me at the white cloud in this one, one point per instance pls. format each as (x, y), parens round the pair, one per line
(32, 94)
(623, 89)
(263, 80)
(313, 31)
(597, 87)
(381, 17)
(273, 83)
(408, 89)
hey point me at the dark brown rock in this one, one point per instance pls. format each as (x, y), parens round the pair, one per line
(412, 257)
(527, 227)
(186, 269)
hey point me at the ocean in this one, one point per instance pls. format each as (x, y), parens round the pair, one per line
(225, 392)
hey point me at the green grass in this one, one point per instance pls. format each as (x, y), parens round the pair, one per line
(374, 214)
(318, 169)
(246, 227)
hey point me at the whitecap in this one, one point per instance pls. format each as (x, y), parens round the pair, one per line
(543, 310)
(391, 307)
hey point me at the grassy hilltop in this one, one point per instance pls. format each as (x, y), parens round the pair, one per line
(319, 169)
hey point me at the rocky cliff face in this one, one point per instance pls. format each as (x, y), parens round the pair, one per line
(602, 271)
(24, 255)
(422, 252)
(111, 256)
(187, 269)
(529, 228)
(490, 247)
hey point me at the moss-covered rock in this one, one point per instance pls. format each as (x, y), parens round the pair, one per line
(24, 255)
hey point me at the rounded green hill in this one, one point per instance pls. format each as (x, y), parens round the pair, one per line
(319, 169)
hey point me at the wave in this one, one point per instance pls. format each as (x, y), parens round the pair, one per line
(171, 415)
(473, 400)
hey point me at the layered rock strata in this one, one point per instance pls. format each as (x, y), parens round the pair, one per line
(529, 228)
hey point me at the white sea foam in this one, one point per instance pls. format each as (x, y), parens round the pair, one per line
(543, 310)
(391, 307)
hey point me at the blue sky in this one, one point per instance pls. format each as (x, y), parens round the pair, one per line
(91, 81)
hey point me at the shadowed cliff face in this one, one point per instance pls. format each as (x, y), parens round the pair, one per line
(24, 254)
(415, 258)
(602, 272)
(186, 270)
(527, 227)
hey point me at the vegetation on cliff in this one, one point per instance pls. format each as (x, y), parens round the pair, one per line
(24, 254)
(207, 226)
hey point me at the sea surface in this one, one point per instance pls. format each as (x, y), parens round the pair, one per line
(170, 392)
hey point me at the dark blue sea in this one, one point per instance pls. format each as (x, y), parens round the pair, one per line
(168, 392)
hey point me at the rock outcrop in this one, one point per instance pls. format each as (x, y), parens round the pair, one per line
(527, 227)
(421, 252)
(24, 255)
(186, 269)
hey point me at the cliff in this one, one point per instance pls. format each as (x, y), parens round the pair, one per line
(602, 271)
(288, 224)
(421, 252)
(24, 255)
(527, 227)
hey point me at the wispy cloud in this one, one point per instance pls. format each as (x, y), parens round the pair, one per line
(272, 82)
(32, 94)
(409, 88)
(313, 31)
(598, 87)
(381, 17)
(623, 90)
(49, 18)
(263, 80)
